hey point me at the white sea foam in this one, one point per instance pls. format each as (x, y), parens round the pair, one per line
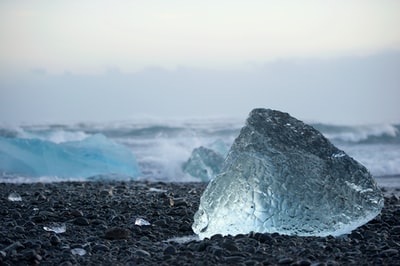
(358, 133)
(56, 136)
(162, 146)
(380, 159)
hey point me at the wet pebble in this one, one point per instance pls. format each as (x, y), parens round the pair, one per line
(169, 250)
(395, 230)
(73, 213)
(19, 229)
(285, 260)
(303, 263)
(31, 255)
(81, 221)
(389, 252)
(142, 253)
(117, 233)
(13, 246)
(33, 244)
(229, 245)
(100, 247)
(38, 218)
(66, 263)
(233, 259)
(55, 240)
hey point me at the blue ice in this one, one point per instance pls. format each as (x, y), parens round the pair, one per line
(95, 155)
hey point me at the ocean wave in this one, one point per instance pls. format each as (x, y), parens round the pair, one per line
(385, 133)
(53, 134)
(162, 147)
(380, 159)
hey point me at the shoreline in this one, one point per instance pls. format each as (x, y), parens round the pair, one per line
(100, 219)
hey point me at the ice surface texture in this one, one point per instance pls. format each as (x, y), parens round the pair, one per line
(283, 176)
(92, 156)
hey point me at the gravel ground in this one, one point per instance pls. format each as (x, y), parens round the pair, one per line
(100, 221)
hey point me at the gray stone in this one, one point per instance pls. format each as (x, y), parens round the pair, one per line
(284, 176)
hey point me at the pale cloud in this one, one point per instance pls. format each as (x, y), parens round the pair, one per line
(349, 90)
(89, 35)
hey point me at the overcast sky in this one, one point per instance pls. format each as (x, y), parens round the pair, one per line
(327, 61)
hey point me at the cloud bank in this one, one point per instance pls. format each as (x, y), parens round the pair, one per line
(347, 90)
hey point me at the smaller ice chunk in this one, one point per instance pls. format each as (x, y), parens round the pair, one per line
(56, 228)
(182, 239)
(14, 197)
(141, 222)
(206, 162)
(158, 190)
(78, 251)
(220, 147)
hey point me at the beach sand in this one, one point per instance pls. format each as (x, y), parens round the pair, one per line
(99, 220)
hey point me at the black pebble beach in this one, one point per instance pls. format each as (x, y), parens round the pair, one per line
(100, 217)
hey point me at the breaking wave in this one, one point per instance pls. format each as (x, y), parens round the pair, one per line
(161, 147)
(383, 134)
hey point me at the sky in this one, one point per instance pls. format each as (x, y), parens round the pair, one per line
(96, 60)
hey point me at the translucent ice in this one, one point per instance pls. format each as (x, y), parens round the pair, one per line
(157, 190)
(78, 251)
(141, 222)
(206, 162)
(219, 147)
(92, 156)
(14, 197)
(283, 176)
(56, 228)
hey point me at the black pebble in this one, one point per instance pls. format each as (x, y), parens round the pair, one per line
(233, 259)
(55, 240)
(100, 247)
(66, 263)
(117, 233)
(229, 245)
(13, 246)
(142, 253)
(31, 255)
(395, 230)
(38, 218)
(389, 252)
(169, 250)
(81, 221)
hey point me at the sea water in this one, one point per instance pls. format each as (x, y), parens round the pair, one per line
(161, 147)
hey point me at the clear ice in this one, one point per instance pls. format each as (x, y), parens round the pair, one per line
(56, 228)
(206, 162)
(92, 156)
(283, 176)
(141, 222)
(78, 251)
(14, 197)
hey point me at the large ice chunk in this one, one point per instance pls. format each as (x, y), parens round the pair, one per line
(92, 156)
(283, 176)
(206, 162)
